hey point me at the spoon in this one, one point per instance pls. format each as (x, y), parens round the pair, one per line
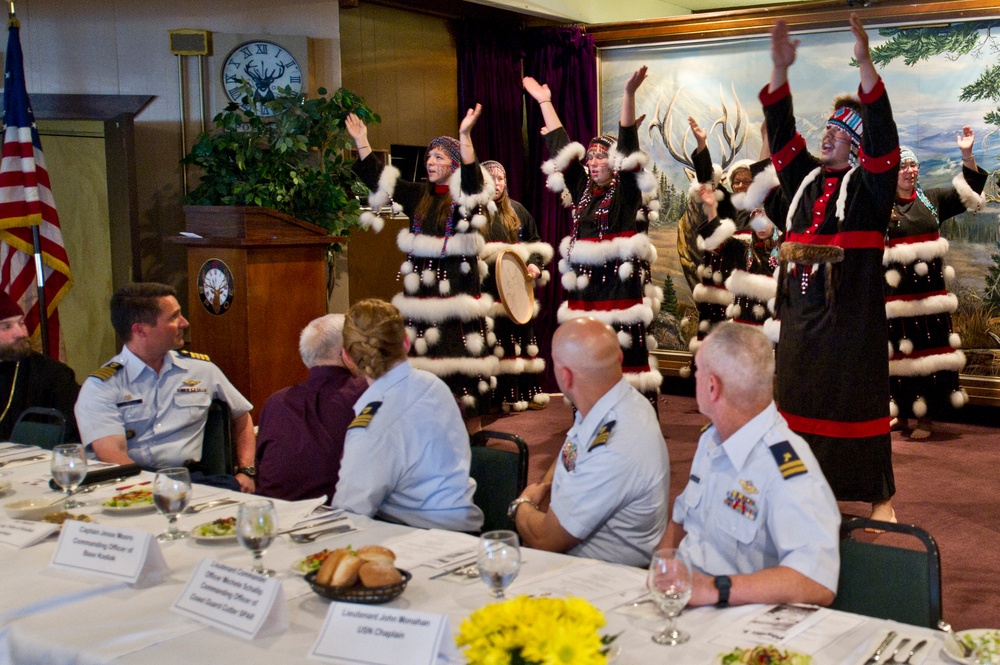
(309, 537)
(950, 637)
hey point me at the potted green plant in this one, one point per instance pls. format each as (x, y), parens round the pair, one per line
(291, 160)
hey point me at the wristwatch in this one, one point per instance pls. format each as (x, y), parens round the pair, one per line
(246, 471)
(512, 508)
(723, 584)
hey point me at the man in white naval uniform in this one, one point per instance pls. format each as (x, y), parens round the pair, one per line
(149, 404)
(757, 520)
(608, 497)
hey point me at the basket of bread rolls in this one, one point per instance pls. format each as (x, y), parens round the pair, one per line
(365, 575)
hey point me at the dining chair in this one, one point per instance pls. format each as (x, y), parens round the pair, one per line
(40, 426)
(501, 474)
(217, 445)
(887, 581)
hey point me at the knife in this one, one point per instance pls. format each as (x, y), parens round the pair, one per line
(875, 657)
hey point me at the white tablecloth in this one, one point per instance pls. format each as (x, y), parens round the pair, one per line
(52, 616)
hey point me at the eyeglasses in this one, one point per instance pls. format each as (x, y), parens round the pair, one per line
(741, 181)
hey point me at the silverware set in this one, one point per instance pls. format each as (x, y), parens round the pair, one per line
(215, 503)
(878, 656)
(33, 458)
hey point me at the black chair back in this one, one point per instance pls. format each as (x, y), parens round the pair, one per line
(886, 581)
(217, 445)
(500, 474)
(40, 426)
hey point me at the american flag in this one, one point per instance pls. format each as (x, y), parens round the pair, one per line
(26, 201)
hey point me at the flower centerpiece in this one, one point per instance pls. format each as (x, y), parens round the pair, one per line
(535, 631)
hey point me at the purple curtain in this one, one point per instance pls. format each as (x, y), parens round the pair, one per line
(489, 72)
(566, 60)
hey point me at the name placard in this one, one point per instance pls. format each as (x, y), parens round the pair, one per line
(379, 636)
(235, 600)
(116, 552)
(21, 533)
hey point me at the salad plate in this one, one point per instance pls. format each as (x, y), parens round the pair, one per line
(985, 641)
(763, 655)
(312, 562)
(222, 530)
(128, 503)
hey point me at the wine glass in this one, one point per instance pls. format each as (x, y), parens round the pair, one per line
(256, 527)
(499, 560)
(171, 494)
(670, 582)
(69, 468)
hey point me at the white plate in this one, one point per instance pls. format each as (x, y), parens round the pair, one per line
(951, 650)
(231, 538)
(129, 510)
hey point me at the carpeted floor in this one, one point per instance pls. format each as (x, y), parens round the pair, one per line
(947, 485)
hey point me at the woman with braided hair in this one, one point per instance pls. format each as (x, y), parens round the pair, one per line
(406, 454)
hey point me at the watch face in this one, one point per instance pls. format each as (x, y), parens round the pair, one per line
(215, 286)
(266, 66)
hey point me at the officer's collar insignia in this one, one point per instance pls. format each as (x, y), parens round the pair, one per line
(788, 461)
(362, 420)
(748, 486)
(106, 372)
(602, 436)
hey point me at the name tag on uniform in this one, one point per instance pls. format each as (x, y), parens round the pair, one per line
(129, 402)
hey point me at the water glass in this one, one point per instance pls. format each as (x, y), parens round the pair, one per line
(256, 528)
(171, 494)
(499, 560)
(670, 583)
(69, 468)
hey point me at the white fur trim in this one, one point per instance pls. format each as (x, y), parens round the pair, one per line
(921, 268)
(411, 283)
(892, 278)
(411, 334)
(972, 201)
(444, 287)
(893, 409)
(478, 221)
(498, 351)
(645, 382)
(624, 339)
(717, 277)
(420, 346)
(772, 328)
(406, 268)
(582, 281)
(474, 343)
(471, 200)
(842, 196)
(594, 253)
(484, 387)
(761, 186)
(635, 314)
(793, 206)
(702, 293)
(891, 350)
(905, 346)
(684, 372)
(958, 399)
(651, 343)
(532, 350)
(541, 398)
(693, 344)
(949, 273)
(569, 281)
(703, 326)
(428, 277)
(432, 335)
(462, 244)
(556, 182)
(952, 361)
(737, 311)
(919, 407)
(491, 250)
(468, 401)
(491, 339)
(484, 269)
(569, 153)
(759, 311)
(462, 226)
(723, 232)
(633, 161)
(625, 271)
(757, 287)
(908, 253)
(386, 186)
(932, 305)
(465, 267)
(486, 366)
(434, 310)
(955, 340)
(646, 181)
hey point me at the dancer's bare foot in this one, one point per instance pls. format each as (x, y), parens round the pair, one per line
(923, 430)
(897, 424)
(883, 512)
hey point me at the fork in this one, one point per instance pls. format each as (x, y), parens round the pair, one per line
(23, 459)
(198, 507)
(902, 645)
(915, 649)
(309, 537)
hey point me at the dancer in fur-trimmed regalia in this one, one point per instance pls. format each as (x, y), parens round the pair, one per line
(602, 257)
(925, 355)
(511, 227)
(442, 299)
(832, 356)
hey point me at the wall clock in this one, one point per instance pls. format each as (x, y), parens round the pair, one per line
(266, 67)
(215, 286)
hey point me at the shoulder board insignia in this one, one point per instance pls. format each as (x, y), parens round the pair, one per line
(106, 372)
(602, 436)
(362, 420)
(788, 462)
(193, 355)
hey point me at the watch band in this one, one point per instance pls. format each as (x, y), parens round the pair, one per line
(246, 471)
(512, 508)
(723, 584)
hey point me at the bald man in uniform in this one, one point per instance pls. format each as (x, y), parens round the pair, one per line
(608, 496)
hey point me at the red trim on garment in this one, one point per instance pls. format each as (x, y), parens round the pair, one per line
(916, 296)
(768, 98)
(441, 189)
(844, 239)
(876, 92)
(836, 428)
(602, 305)
(788, 152)
(923, 353)
(635, 369)
(909, 240)
(879, 164)
(748, 323)
(609, 236)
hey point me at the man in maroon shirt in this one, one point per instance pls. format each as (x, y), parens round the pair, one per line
(301, 436)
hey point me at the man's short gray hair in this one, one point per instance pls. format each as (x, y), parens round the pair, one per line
(742, 357)
(322, 340)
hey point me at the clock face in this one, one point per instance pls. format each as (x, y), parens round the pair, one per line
(215, 286)
(266, 66)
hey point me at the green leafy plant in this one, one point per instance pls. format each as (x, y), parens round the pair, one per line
(292, 161)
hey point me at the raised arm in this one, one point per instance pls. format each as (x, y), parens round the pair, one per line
(465, 134)
(627, 118)
(869, 77)
(700, 134)
(541, 94)
(783, 50)
(965, 142)
(359, 133)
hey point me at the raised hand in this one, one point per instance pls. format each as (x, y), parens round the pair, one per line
(700, 134)
(469, 121)
(634, 81)
(966, 139)
(861, 52)
(783, 47)
(356, 128)
(540, 92)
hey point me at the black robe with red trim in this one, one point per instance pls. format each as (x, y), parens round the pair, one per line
(832, 355)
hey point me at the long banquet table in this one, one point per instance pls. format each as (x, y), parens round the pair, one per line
(52, 616)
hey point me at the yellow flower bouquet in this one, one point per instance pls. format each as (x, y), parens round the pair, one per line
(535, 631)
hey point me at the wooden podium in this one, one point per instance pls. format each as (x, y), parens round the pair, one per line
(256, 277)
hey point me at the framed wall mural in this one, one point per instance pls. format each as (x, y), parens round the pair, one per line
(938, 78)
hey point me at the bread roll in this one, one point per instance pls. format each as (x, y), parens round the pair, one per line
(325, 574)
(347, 571)
(376, 553)
(379, 573)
